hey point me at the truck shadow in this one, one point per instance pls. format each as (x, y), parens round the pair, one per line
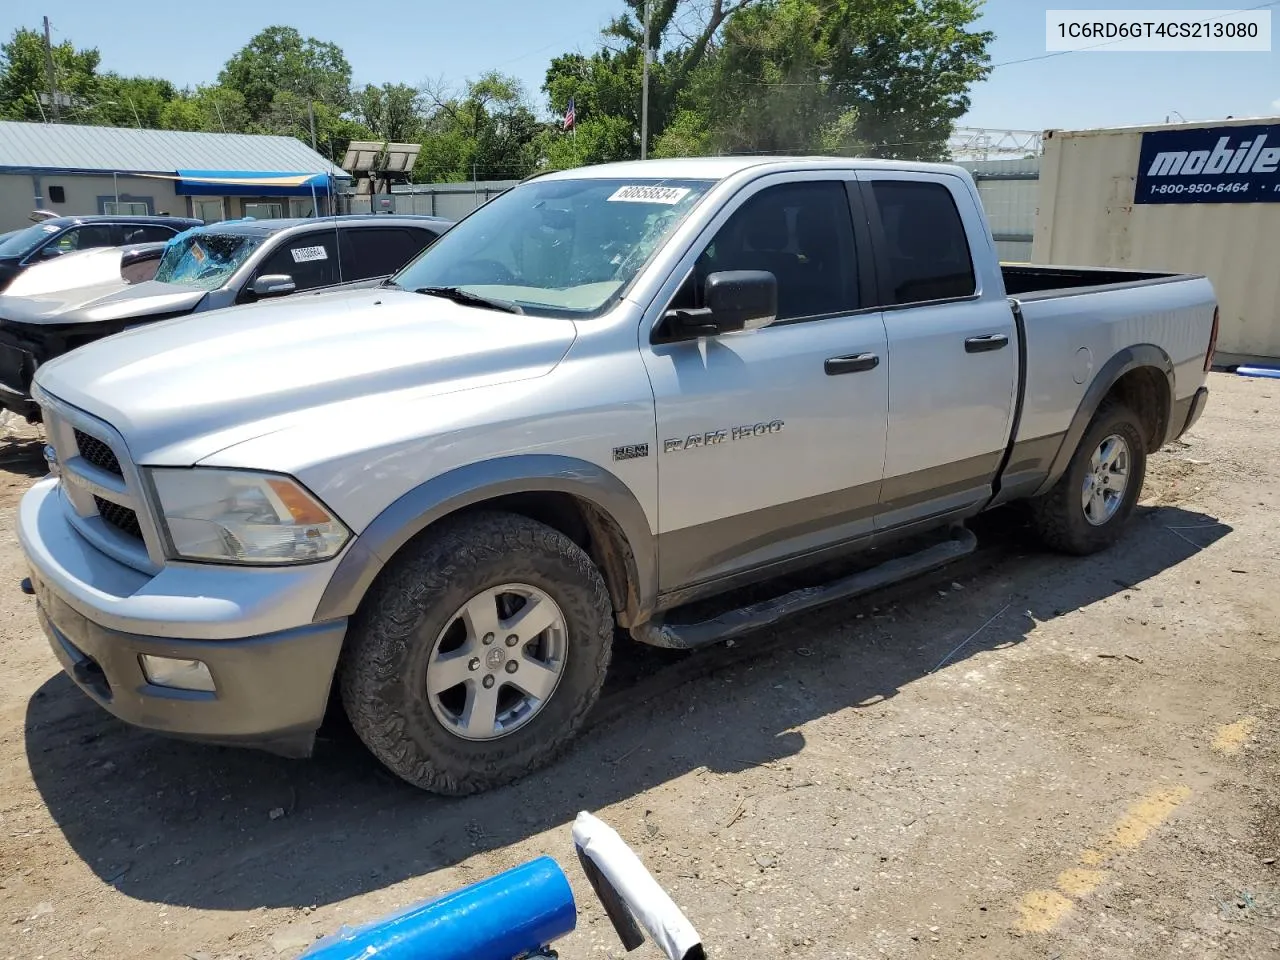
(213, 828)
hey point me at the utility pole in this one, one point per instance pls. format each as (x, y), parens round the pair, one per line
(644, 90)
(49, 74)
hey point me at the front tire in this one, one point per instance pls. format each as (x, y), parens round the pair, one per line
(1087, 509)
(478, 653)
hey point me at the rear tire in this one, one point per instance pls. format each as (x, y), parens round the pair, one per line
(440, 680)
(1087, 508)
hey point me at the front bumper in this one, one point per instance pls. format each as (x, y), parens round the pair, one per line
(271, 686)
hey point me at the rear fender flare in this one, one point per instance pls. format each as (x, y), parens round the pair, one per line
(476, 483)
(1124, 361)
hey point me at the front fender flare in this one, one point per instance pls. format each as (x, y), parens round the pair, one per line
(475, 483)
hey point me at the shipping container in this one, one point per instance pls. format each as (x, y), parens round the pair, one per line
(1198, 197)
(1007, 189)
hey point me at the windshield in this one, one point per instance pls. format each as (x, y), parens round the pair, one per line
(556, 247)
(21, 242)
(204, 260)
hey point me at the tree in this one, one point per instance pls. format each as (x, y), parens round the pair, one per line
(488, 129)
(880, 77)
(907, 67)
(279, 60)
(132, 101)
(212, 109)
(392, 111)
(23, 77)
(605, 89)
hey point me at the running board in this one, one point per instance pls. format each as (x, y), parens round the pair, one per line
(688, 636)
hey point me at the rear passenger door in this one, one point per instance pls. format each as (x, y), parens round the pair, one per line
(952, 346)
(369, 252)
(310, 258)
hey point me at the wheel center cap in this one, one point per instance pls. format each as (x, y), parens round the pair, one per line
(494, 658)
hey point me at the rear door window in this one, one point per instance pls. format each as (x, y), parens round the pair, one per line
(145, 233)
(926, 250)
(309, 258)
(380, 251)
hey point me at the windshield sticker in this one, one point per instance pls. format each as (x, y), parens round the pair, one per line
(645, 194)
(49, 228)
(307, 254)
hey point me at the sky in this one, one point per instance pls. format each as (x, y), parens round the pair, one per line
(414, 41)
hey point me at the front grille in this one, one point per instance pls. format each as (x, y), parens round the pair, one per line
(122, 518)
(99, 454)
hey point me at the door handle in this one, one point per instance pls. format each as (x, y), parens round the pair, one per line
(855, 364)
(993, 341)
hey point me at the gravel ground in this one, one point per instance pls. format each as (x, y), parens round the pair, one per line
(1023, 756)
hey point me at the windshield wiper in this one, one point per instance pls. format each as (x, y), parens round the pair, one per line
(458, 295)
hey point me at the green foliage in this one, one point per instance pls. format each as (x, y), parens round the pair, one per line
(23, 77)
(488, 130)
(877, 77)
(279, 60)
(132, 101)
(210, 109)
(392, 111)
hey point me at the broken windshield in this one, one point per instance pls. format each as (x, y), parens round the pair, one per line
(204, 260)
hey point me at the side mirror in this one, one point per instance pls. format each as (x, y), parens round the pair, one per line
(51, 251)
(735, 300)
(274, 285)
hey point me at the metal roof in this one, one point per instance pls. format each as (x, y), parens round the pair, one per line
(72, 147)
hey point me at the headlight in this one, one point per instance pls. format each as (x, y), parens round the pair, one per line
(235, 516)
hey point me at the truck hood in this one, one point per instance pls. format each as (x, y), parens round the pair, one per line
(183, 389)
(114, 300)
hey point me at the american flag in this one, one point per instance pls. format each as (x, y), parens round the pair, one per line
(570, 116)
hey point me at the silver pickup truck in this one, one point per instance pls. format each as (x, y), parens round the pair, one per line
(605, 395)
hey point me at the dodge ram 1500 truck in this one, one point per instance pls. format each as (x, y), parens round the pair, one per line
(603, 396)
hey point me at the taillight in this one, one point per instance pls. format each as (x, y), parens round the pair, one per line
(1213, 342)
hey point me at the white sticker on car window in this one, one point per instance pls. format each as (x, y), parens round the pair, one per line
(639, 193)
(49, 228)
(307, 254)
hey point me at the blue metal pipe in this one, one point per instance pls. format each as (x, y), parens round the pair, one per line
(1271, 372)
(500, 918)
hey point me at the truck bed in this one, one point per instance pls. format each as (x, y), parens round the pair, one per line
(1034, 282)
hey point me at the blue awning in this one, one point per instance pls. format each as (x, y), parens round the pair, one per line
(249, 183)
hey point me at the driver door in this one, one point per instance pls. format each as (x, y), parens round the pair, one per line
(310, 258)
(771, 442)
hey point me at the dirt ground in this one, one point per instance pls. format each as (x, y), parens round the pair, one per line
(1022, 756)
